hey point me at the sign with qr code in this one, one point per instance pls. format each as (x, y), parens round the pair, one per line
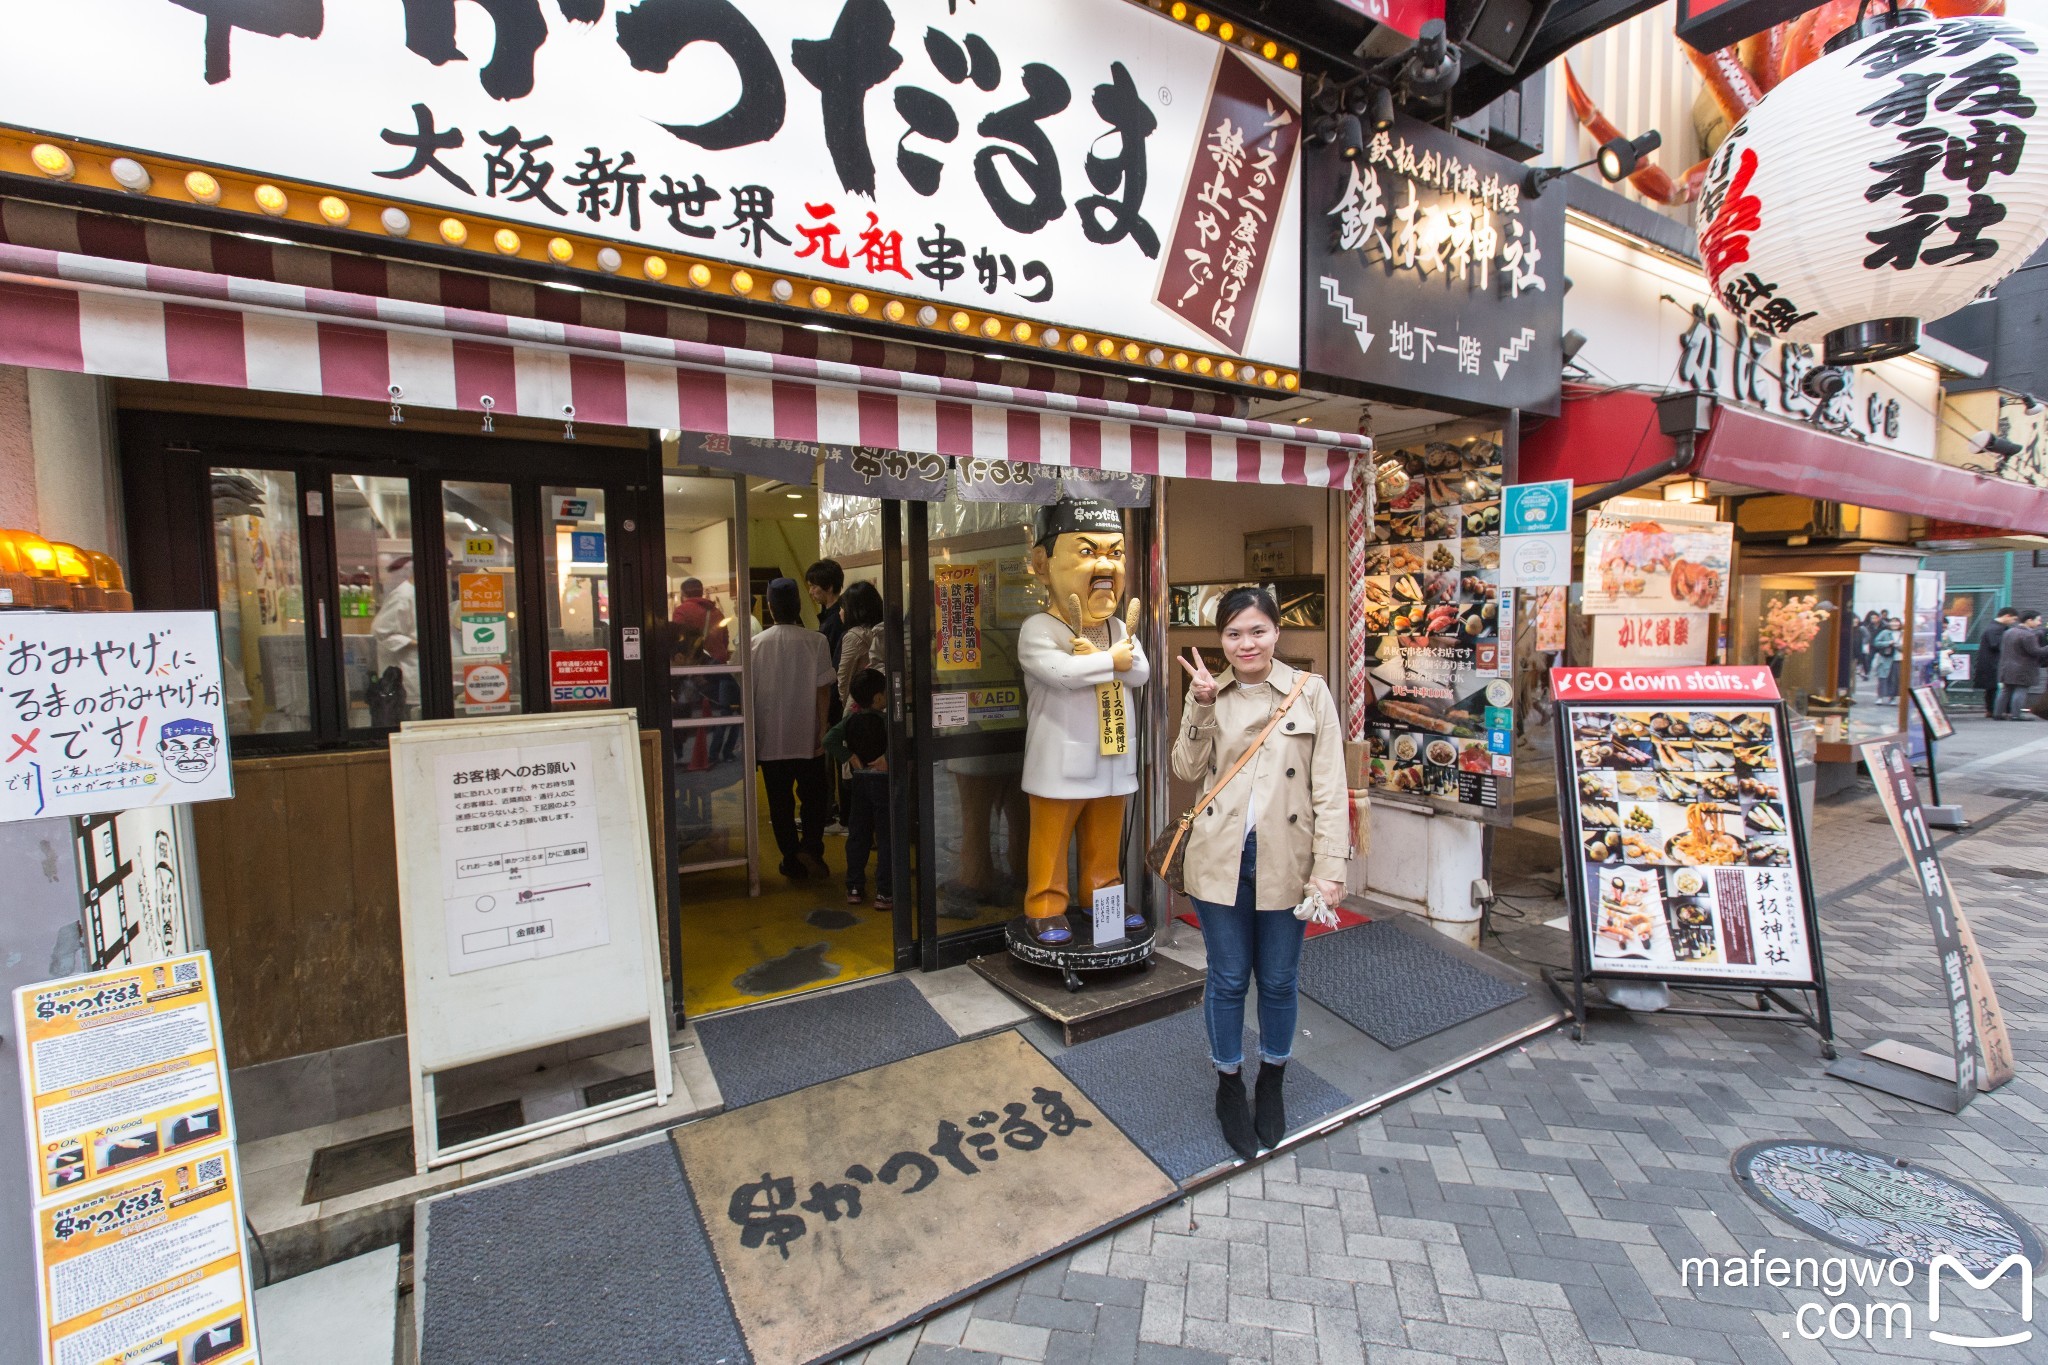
(125, 1097)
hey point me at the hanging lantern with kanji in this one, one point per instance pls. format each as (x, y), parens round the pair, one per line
(1888, 184)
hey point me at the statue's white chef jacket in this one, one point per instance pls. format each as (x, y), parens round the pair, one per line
(1063, 755)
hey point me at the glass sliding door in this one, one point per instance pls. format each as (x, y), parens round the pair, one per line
(376, 600)
(481, 545)
(259, 584)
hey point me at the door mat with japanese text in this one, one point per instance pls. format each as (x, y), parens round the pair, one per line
(841, 1211)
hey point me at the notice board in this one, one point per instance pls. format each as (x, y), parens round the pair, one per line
(526, 900)
(139, 1241)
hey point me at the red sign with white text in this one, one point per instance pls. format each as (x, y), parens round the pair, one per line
(580, 675)
(1683, 682)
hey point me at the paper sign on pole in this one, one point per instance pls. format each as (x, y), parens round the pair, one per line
(139, 1231)
(108, 711)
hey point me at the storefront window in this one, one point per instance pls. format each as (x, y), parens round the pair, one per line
(257, 571)
(483, 597)
(575, 568)
(380, 618)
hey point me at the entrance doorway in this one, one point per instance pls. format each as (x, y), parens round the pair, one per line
(746, 931)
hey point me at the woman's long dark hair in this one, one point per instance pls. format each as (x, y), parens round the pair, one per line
(1238, 601)
(860, 604)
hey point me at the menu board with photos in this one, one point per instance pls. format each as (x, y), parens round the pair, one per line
(1686, 856)
(1439, 633)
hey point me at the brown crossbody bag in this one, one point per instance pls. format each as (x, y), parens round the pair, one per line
(1168, 855)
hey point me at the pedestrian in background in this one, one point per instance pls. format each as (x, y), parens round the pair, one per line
(1866, 640)
(1278, 829)
(861, 744)
(790, 669)
(823, 582)
(1984, 667)
(2020, 652)
(1884, 649)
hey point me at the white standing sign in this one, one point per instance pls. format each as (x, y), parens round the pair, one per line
(108, 711)
(1108, 913)
(526, 903)
(1028, 159)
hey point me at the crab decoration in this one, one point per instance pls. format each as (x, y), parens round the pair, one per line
(1740, 75)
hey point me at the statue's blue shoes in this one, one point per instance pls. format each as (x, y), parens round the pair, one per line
(1134, 921)
(1052, 931)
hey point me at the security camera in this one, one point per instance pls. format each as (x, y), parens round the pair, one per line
(1824, 382)
(1991, 443)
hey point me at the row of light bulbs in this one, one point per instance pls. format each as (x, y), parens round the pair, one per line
(1225, 31)
(204, 188)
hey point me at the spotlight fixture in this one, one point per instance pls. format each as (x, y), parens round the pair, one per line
(1350, 138)
(1382, 112)
(1574, 342)
(1617, 160)
(1991, 443)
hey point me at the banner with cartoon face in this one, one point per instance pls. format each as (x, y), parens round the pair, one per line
(110, 711)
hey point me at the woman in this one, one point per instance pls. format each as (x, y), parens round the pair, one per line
(1884, 647)
(1866, 640)
(1281, 827)
(860, 648)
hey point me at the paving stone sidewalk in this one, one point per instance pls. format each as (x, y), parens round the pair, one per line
(1536, 1208)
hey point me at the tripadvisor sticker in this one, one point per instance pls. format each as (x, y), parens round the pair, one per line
(1500, 692)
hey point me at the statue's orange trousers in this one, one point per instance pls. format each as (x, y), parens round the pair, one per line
(1055, 822)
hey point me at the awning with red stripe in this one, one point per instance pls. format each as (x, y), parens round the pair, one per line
(129, 320)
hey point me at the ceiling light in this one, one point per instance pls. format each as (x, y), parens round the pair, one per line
(792, 495)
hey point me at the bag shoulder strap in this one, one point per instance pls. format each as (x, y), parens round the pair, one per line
(1252, 748)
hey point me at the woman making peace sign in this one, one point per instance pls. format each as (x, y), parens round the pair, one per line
(1279, 828)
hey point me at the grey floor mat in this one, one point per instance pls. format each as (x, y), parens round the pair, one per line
(1155, 1082)
(759, 1054)
(1391, 982)
(596, 1260)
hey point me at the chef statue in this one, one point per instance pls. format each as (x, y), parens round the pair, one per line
(1082, 667)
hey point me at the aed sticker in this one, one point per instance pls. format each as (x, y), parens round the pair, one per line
(995, 703)
(1500, 692)
(479, 549)
(483, 635)
(485, 685)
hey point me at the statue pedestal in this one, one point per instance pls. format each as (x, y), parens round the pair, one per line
(1081, 953)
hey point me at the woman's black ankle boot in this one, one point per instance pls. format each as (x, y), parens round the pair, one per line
(1235, 1114)
(1269, 1113)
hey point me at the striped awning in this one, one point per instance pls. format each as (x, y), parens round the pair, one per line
(129, 320)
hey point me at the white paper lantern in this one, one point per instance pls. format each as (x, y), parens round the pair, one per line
(1889, 183)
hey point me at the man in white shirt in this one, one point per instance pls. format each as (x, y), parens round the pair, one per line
(789, 670)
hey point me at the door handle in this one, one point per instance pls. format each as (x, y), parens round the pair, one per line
(320, 610)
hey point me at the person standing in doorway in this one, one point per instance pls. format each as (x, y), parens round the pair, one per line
(1984, 665)
(396, 630)
(2020, 652)
(861, 648)
(824, 581)
(1279, 829)
(861, 742)
(790, 669)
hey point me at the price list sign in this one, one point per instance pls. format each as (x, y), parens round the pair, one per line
(1685, 855)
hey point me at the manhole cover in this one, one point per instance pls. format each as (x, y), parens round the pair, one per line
(2025, 874)
(1882, 1206)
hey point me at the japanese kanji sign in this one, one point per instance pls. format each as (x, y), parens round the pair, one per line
(956, 617)
(1429, 275)
(950, 1168)
(109, 711)
(1983, 1051)
(1020, 158)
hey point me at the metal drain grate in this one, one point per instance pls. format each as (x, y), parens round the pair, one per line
(1881, 1206)
(2024, 874)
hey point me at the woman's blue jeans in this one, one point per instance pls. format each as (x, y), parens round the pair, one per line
(1245, 942)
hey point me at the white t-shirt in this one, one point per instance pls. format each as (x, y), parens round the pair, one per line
(1256, 691)
(786, 665)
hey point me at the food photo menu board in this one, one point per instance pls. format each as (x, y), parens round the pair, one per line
(1686, 855)
(1439, 633)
